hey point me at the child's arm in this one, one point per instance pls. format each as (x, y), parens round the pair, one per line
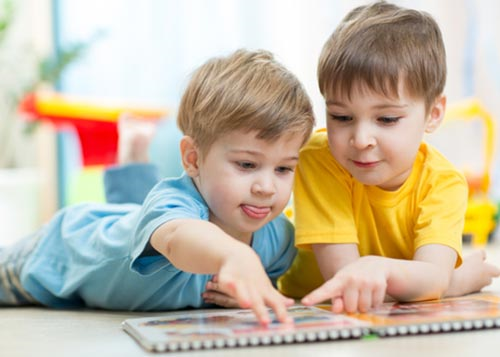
(333, 257)
(362, 284)
(201, 247)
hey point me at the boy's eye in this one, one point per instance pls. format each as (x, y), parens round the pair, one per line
(389, 120)
(245, 165)
(342, 118)
(283, 169)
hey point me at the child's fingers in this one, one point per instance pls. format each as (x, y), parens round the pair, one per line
(260, 309)
(378, 297)
(365, 301)
(288, 301)
(237, 290)
(210, 285)
(245, 295)
(279, 305)
(259, 300)
(219, 299)
(495, 271)
(262, 314)
(227, 288)
(337, 305)
(328, 290)
(282, 314)
(351, 299)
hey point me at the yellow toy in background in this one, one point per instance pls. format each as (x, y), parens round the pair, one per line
(480, 217)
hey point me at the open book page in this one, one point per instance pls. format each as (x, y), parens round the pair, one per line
(452, 314)
(230, 328)
(206, 329)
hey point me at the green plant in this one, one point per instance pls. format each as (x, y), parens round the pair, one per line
(6, 16)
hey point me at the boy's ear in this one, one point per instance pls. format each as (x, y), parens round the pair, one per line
(189, 156)
(436, 114)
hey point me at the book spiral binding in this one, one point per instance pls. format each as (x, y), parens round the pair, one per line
(436, 327)
(246, 341)
(204, 330)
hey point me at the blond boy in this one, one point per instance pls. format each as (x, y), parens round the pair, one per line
(244, 118)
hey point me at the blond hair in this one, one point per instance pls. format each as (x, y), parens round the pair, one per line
(381, 44)
(247, 90)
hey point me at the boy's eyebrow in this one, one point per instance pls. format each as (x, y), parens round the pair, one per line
(331, 102)
(257, 153)
(385, 106)
(379, 106)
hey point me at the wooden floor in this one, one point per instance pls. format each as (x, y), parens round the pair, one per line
(42, 332)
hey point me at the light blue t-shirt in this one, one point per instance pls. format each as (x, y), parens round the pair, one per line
(130, 183)
(98, 255)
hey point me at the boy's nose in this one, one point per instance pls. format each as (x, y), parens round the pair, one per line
(362, 138)
(264, 186)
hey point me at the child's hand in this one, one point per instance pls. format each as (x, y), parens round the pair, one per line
(244, 280)
(213, 295)
(359, 286)
(473, 275)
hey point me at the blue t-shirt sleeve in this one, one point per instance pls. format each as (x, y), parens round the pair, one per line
(129, 183)
(275, 246)
(170, 199)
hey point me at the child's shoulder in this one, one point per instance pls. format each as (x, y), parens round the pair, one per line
(316, 155)
(436, 164)
(318, 141)
(179, 192)
(430, 155)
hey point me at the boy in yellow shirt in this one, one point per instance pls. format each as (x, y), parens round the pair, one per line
(378, 212)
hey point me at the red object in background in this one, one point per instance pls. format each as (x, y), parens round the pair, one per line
(98, 140)
(96, 125)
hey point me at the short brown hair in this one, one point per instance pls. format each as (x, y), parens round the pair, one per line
(381, 44)
(247, 90)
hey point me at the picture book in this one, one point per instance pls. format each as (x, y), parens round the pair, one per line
(206, 329)
(477, 311)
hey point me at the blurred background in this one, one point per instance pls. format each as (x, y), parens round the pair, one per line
(70, 68)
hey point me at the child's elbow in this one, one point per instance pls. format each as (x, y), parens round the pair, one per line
(441, 286)
(161, 239)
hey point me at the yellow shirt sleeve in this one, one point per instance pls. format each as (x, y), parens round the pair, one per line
(322, 197)
(441, 212)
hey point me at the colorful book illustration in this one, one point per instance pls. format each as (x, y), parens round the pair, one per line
(471, 312)
(207, 329)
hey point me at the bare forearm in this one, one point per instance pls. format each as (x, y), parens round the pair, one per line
(411, 280)
(196, 246)
(333, 257)
(363, 283)
(474, 274)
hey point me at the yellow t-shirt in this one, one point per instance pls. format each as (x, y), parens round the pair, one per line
(330, 206)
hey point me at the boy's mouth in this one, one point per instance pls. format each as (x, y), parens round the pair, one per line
(256, 212)
(365, 164)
